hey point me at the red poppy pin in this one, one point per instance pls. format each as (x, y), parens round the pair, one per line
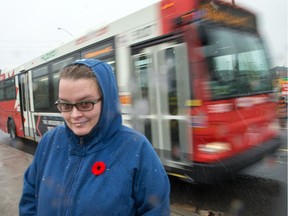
(98, 168)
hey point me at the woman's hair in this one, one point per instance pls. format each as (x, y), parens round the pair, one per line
(78, 71)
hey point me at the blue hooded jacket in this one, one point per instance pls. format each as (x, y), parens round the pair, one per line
(60, 181)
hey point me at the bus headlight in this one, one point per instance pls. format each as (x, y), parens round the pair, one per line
(274, 126)
(214, 147)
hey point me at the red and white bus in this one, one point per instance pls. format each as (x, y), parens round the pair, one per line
(193, 76)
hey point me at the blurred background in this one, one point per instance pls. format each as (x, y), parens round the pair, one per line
(30, 28)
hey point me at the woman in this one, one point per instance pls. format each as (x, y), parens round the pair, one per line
(93, 165)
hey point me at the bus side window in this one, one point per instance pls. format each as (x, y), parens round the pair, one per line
(172, 81)
(56, 66)
(1, 93)
(7, 89)
(41, 89)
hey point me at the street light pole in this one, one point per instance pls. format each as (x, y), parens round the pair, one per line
(64, 30)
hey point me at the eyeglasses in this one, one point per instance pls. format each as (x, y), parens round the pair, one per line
(80, 106)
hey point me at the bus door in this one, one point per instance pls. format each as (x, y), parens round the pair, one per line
(25, 105)
(160, 90)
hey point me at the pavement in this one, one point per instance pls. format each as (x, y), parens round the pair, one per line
(13, 164)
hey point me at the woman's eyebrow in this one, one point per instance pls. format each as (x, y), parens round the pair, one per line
(63, 100)
(85, 98)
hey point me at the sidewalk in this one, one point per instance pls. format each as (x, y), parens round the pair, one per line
(13, 164)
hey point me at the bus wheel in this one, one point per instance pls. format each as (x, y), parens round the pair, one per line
(12, 130)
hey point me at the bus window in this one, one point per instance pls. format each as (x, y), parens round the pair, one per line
(142, 90)
(145, 79)
(174, 137)
(55, 68)
(142, 73)
(175, 91)
(22, 90)
(2, 92)
(41, 89)
(253, 64)
(172, 81)
(55, 81)
(237, 64)
(7, 89)
(111, 62)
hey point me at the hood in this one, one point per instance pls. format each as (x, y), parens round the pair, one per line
(110, 118)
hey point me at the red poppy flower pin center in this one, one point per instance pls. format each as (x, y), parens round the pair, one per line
(98, 168)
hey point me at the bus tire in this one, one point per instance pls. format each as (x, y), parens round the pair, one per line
(12, 130)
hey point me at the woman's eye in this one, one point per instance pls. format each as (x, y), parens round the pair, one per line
(84, 104)
(66, 106)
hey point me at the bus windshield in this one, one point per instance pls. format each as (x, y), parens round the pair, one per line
(237, 64)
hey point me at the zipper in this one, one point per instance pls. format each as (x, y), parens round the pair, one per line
(71, 187)
(66, 212)
(81, 141)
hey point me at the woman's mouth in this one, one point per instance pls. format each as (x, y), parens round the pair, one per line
(79, 124)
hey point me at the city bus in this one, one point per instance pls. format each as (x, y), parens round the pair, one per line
(193, 76)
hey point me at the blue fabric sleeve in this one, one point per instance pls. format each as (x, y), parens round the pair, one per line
(28, 201)
(151, 186)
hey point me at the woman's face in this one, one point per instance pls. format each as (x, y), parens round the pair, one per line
(75, 91)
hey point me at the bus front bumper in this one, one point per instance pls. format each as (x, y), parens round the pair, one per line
(216, 172)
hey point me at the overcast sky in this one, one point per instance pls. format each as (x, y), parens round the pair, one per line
(30, 27)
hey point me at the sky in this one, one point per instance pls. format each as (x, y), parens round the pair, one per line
(30, 28)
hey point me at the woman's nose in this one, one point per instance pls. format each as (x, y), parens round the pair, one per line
(75, 112)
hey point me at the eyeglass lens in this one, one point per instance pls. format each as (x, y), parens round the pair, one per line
(82, 106)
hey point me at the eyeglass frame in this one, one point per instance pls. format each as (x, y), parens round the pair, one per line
(58, 102)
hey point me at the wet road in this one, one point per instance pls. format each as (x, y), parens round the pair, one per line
(258, 190)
